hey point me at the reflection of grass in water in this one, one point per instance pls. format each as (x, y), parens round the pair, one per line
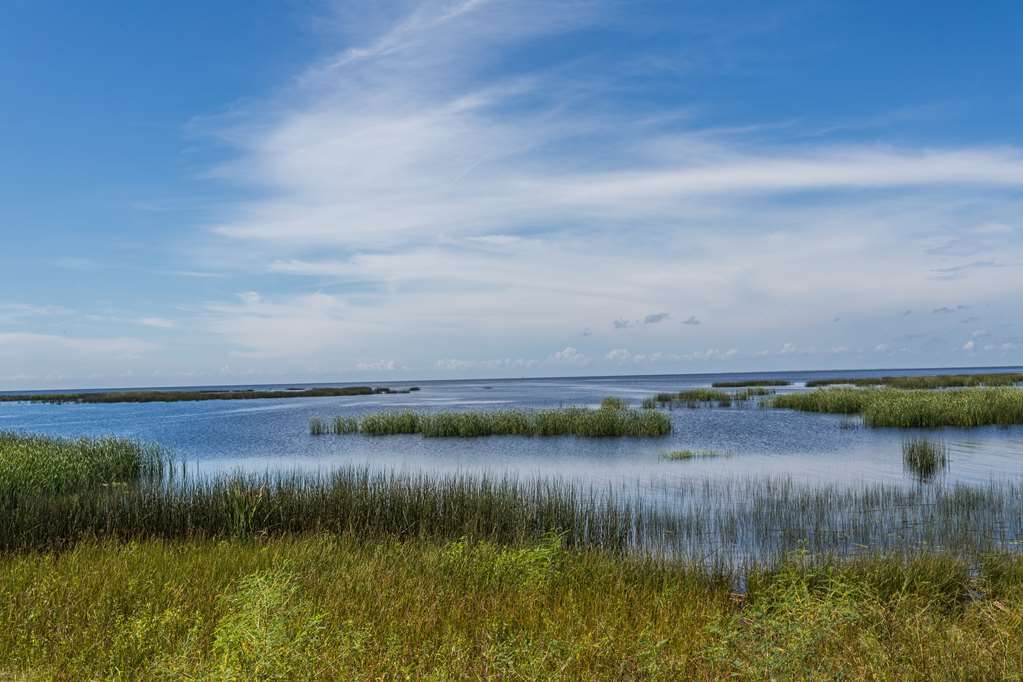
(691, 454)
(913, 409)
(727, 523)
(924, 458)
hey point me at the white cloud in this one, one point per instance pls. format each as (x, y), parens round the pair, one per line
(571, 356)
(158, 322)
(968, 346)
(378, 366)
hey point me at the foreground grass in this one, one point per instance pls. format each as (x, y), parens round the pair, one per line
(613, 419)
(913, 409)
(39, 465)
(926, 381)
(179, 396)
(328, 608)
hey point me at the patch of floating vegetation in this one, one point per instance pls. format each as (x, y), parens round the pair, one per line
(692, 454)
(178, 396)
(903, 408)
(926, 381)
(700, 397)
(43, 465)
(606, 422)
(751, 382)
(924, 458)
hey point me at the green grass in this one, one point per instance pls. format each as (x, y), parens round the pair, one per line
(927, 381)
(700, 397)
(178, 396)
(691, 454)
(340, 607)
(39, 465)
(914, 409)
(606, 422)
(613, 403)
(924, 458)
(751, 382)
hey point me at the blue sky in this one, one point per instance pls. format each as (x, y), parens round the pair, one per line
(302, 191)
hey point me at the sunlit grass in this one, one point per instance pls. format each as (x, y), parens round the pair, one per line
(38, 464)
(340, 607)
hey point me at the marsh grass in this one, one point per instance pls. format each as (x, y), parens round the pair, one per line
(613, 403)
(913, 409)
(43, 465)
(751, 382)
(179, 396)
(606, 422)
(692, 454)
(339, 607)
(926, 382)
(924, 458)
(701, 397)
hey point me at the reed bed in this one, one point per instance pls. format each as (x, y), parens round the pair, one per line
(924, 458)
(700, 397)
(927, 381)
(890, 407)
(179, 396)
(41, 465)
(729, 526)
(606, 422)
(751, 382)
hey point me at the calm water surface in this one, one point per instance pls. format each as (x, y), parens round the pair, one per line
(272, 435)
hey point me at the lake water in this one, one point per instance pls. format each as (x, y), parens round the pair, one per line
(273, 435)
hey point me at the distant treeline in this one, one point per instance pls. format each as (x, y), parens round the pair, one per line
(177, 396)
(927, 381)
(751, 382)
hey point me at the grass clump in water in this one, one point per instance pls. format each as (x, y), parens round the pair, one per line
(613, 403)
(42, 465)
(692, 454)
(751, 382)
(924, 458)
(914, 409)
(606, 422)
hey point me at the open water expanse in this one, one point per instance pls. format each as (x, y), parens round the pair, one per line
(273, 435)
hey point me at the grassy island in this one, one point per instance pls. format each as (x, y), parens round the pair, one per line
(907, 408)
(171, 396)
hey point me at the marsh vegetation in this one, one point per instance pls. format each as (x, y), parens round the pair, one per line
(905, 408)
(924, 458)
(171, 396)
(925, 381)
(612, 419)
(354, 574)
